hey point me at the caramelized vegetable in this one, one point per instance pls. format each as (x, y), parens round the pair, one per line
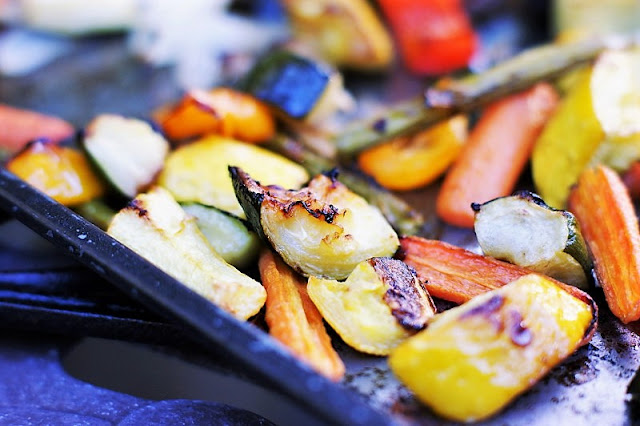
(403, 217)
(20, 126)
(414, 161)
(157, 228)
(198, 172)
(62, 173)
(222, 111)
(631, 179)
(496, 153)
(380, 304)
(127, 150)
(471, 361)
(323, 229)
(294, 320)
(458, 275)
(523, 230)
(345, 33)
(602, 204)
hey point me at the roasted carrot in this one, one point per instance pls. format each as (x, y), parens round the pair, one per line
(19, 126)
(631, 179)
(457, 275)
(294, 320)
(498, 148)
(609, 224)
(221, 111)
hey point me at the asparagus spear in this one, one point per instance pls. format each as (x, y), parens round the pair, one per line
(403, 218)
(451, 96)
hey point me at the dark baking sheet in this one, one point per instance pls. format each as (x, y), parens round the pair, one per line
(100, 76)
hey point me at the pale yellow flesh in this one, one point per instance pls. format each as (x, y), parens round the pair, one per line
(355, 309)
(330, 250)
(198, 172)
(170, 239)
(467, 368)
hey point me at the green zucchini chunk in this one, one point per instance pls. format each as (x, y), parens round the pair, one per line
(524, 230)
(299, 87)
(322, 230)
(228, 235)
(128, 151)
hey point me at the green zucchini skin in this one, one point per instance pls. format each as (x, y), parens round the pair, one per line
(292, 84)
(250, 196)
(229, 235)
(523, 229)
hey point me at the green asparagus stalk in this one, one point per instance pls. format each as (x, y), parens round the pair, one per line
(452, 96)
(404, 219)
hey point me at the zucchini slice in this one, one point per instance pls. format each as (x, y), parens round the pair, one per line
(377, 307)
(322, 230)
(524, 230)
(298, 87)
(127, 150)
(157, 228)
(198, 172)
(227, 234)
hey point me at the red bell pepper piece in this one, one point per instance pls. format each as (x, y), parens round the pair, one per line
(434, 36)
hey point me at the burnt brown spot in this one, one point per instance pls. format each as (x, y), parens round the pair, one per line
(136, 206)
(520, 335)
(409, 301)
(487, 308)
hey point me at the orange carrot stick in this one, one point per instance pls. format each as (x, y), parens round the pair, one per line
(609, 226)
(294, 320)
(497, 150)
(457, 275)
(19, 126)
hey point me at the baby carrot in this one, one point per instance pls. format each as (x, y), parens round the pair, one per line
(609, 226)
(19, 126)
(294, 320)
(497, 150)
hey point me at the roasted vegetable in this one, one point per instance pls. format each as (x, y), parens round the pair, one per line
(157, 228)
(20, 126)
(609, 223)
(631, 179)
(222, 111)
(127, 150)
(603, 105)
(411, 162)
(297, 87)
(434, 36)
(323, 229)
(344, 32)
(197, 172)
(63, 173)
(403, 218)
(522, 229)
(457, 275)
(294, 320)
(471, 361)
(452, 96)
(228, 235)
(498, 149)
(380, 304)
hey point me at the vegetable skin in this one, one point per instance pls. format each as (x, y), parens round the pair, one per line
(609, 224)
(294, 320)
